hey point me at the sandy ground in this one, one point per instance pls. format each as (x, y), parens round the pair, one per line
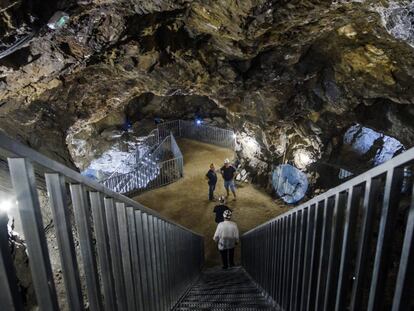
(186, 201)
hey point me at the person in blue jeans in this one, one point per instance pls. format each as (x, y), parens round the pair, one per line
(212, 181)
(229, 173)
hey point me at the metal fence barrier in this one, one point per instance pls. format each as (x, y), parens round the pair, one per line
(351, 248)
(169, 170)
(163, 164)
(208, 134)
(166, 128)
(156, 168)
(204, 133)
(130, 257)
(151, 142)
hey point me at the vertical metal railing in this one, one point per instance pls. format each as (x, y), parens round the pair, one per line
(206, 133)
(351, 248)
(178, 156)
(165, 129)
(200, 132)
(163, 161)
(150, 142)
(157, 168)
(129, 257)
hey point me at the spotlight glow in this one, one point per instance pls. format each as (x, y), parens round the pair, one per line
(234, 135)
(6, 205)
(252, 143)
(302, 159)
(198, 121)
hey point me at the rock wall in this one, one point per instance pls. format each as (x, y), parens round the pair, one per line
(293, 76)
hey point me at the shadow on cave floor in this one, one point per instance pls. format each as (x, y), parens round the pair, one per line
(186, 202)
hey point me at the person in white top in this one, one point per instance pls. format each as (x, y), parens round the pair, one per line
(227, 236)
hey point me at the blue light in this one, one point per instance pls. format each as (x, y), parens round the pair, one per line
(198, 121)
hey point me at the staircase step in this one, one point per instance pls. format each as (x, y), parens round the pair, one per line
(224, 309)
(223, 290)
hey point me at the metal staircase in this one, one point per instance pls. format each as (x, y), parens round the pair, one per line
(147, 169)
(159, 160)
(350, 248)
(130, 258)
(222, 290)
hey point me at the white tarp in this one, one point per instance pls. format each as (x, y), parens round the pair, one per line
(289, 183)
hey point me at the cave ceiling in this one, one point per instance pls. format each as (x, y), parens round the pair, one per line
(308, 69)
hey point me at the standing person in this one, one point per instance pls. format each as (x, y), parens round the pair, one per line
(228, 172)
(227, 236)
(212, 181)
(220, 209)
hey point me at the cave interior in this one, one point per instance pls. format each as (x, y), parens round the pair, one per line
(324, 86)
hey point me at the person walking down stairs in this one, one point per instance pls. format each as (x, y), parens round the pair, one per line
(220, 209)
(227, 236)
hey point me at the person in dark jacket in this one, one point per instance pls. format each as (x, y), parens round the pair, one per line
(220, 209)
(229, 173)
(212, 181)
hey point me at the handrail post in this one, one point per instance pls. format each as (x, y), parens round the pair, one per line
(102, 244)
(57, 194)
(83, 224)
(10, 296)
(123, 232)
(24, 185)
(115, 250)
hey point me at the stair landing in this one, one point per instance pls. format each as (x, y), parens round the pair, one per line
(219, 289)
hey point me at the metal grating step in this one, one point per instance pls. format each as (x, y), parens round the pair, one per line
(223, 309)
(226, 297)
(224, 290)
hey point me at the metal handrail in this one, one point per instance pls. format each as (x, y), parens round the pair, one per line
(128, 182)
(115, 172)
(317, 255)
(21, 150)
(192, 130)
(145, 261)
(17, 45)
(372, 173)
(149, 143)
(207, 133)
(138, 180)
(164, 141)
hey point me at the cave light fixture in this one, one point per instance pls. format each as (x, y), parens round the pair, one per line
(198, 121)
(6, 205)
(249, 145)
(303, 158)
(58, 20)
(251, 142)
